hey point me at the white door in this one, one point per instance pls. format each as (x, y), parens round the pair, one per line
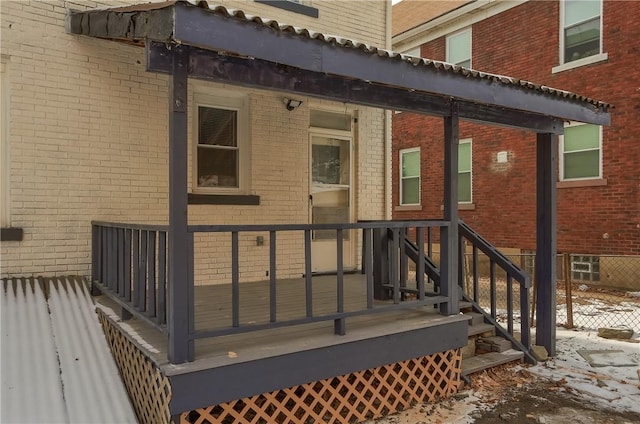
(330, 198)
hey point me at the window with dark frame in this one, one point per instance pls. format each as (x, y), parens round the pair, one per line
(217, 150)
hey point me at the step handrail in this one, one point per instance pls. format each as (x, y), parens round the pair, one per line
(495, 255)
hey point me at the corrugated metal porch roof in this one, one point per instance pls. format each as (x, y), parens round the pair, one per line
(353, 44)
(56, 364)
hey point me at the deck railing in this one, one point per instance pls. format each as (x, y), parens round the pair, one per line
(372, 262)
(502, 273)
(130, 266)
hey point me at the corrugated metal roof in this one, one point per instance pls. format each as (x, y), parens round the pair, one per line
(56, 364)
(353, 44)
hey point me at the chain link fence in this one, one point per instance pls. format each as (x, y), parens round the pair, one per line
(593, 291)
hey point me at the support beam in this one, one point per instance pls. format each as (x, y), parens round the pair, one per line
(179, 261)
(449, 252)
(546, 172)
(260, 74)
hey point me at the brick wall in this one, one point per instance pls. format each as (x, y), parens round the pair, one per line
(523, 42)
(88, 141)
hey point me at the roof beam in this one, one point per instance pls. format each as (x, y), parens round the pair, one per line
(256, 73)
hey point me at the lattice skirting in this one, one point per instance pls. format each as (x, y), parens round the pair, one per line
(349, 398)
(149, 389)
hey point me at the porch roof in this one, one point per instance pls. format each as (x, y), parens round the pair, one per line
(234, 47)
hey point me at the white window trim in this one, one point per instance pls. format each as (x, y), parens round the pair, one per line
(402, 152)
(468, 141)
(561, 155)
(580, 62)
(5, 163)
(453, 34)
(239, 103)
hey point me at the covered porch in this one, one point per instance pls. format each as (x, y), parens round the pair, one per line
(289, 333)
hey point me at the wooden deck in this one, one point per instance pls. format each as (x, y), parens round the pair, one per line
(282, 357)
(213, 311)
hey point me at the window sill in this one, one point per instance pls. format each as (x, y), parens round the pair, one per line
(292, 7)
(223, 199)
(463, 207)
(11, 234)
(595, 182)
(580, 62)
(402, 208)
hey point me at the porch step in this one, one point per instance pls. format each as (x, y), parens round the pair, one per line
(476, 318)
(465, 306)
(489, 360)
(479, 329)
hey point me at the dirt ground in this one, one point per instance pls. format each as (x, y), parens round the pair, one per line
(511, 394)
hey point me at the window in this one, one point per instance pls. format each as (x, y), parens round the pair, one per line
(221, 152)
(580, 148)
(464, 171)
(410, 176)
(413, 52)
(459, 48)
(581, 29)
(585, 268)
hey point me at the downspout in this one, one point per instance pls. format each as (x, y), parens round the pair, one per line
(387, 125)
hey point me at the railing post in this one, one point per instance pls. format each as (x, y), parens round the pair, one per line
(381, 264)
(179, 308)
(449, 252)
(95, 259)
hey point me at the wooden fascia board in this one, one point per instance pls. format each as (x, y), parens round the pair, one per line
(157, 24)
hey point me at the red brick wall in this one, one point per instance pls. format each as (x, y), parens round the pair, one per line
(523, 42)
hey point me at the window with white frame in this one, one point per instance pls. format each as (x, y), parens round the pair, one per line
(410, 176)
(581, 28)
(581, 152)
(459, 48)
(464, 171)
(413, 52)
(221, 145)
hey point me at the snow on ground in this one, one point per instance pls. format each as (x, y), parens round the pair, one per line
(615, 386)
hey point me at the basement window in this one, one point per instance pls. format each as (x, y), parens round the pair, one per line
(585, 268)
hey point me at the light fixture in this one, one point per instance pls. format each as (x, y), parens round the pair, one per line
(292, 104)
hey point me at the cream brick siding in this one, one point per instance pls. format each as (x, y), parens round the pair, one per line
(88, 141)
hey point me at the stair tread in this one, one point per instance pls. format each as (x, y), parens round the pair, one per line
(479, 328)
(489, 360)
(464, 305)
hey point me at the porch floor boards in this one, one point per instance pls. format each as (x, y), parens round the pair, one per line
(213, 311)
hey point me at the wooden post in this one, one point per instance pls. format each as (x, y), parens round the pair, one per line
(449, 247)
(567, 290)
(179, 272)
(546, 173)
